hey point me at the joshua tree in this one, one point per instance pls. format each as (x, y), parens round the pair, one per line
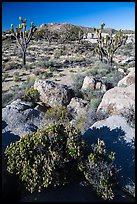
(23, 36)
(107, 46)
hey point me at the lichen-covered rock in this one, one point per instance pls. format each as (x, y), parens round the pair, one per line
(89, 83)
(127, 80)
(21, 118)
(52, 93)
(119, 137)
(118, 100)
(77, 106)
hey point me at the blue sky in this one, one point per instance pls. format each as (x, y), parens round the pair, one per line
(118, 15)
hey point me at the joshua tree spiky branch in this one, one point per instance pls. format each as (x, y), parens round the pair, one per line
(107, 46)
(23, 36)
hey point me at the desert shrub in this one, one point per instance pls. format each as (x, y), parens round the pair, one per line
(50, 63)
(11, 65)
(99, 170)
(80, 123)
(31, 95)
(16, 77)
(46, 158)
(58, 114)
(56, 155)
(29, 82)
(114, 77)
(100, 69)
(6, 98)
(94, 103)
(77, 81)
(89, 94)
(44, 75)
(53, 69)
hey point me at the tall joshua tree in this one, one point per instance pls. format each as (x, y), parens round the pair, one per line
(107, 46)
(23, 36)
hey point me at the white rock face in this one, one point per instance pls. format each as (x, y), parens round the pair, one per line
(119, 137)
(128, 80)
(118, 100)
(52, 93)
(88, 83)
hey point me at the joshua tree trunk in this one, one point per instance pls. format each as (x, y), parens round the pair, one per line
(24, 57)
(110, 60)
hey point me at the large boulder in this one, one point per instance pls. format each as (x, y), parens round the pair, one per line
(127, 80)
(52, 93)
(77, 107)
(118, 100)
(119, 137)
(21, 118)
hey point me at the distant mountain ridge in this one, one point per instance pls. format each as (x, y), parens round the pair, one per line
(61, 27)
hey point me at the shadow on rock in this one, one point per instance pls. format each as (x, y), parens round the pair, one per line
(115, 141)
(8, 138)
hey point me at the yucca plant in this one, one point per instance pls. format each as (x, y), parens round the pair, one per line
(107, 46)
(23, 36)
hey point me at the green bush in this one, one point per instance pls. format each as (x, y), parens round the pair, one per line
(77, 81)
(31, 95)
(58, 114)
(53, 69)
(100, 69)
(56, 155)
(16, 77)
(46, 158)
(94, 103)
(44, 75)
(99, 170)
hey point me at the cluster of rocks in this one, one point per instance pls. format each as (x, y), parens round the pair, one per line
(92, 83)
(117, 133)
(20, 118)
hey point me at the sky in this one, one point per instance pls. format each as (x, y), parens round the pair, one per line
(117, 15)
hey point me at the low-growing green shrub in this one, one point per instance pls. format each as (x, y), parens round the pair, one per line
(31, 95)
(53, 69)
(77, 81)
(90, 94)
(94, 103)
(114, 77)
(16, 77)
(99, 69)
(44, 75)
(46, 158)
(58, 114)
(56, 155)
(99, 170)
